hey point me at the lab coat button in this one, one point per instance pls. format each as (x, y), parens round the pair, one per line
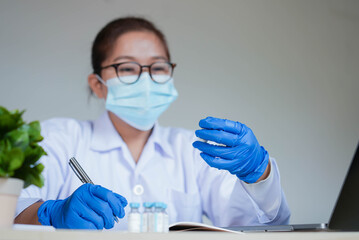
(138, 189)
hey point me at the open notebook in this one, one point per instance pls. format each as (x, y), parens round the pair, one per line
(193, 226)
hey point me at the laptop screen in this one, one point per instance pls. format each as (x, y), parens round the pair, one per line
(345, 216)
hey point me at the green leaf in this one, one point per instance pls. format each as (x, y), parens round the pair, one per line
(15, 158)
(3, 110)
(5, 145)
(39, 167)
(9, 120)
(18, 138)
(6, 124)
(33, 153)
(12, 160)
(34, 178)
(34, 131)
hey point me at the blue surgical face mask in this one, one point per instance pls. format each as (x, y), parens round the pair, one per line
(141, 103)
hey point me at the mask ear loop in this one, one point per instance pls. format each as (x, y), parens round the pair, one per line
(100, 79)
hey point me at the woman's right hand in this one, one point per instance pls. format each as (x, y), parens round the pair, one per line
(89, 207)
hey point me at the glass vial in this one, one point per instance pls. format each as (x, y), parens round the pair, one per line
(134, 218)
(147, 217)
(165, 218)
(158, 217)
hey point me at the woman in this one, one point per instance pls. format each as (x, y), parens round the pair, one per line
(125, 150)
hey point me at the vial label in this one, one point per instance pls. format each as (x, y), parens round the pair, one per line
(134, 222)
(165, 223)
(158, 222)
(151, 222)
(147, 222)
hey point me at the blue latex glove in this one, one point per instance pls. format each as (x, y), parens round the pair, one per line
(89, 207)
(242, 155)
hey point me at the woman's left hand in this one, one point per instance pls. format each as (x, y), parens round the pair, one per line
(242, 155)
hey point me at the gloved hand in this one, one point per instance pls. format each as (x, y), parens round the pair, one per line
(89, 207)
(242, 155)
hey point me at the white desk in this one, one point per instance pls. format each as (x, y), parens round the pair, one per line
(9, 234)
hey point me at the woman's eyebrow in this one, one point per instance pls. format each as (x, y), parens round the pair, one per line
(160, 58)
(123, 57)
(133, 58)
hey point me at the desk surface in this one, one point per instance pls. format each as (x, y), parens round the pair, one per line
(9, 234)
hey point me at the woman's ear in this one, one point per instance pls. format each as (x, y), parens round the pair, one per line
(96, 86)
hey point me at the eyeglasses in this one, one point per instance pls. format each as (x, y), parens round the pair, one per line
(130, 72)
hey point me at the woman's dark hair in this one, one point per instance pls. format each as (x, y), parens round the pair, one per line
(104, 41)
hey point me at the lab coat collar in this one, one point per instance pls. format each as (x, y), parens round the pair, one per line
(159, 137)
(105, 137)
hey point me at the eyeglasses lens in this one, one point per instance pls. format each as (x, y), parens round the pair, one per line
(161, 72)
(129, 73)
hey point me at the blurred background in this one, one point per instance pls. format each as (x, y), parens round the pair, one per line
(289, 69)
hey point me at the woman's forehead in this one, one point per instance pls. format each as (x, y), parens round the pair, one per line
(138, 45)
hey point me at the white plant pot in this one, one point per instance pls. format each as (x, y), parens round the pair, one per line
(10, 189)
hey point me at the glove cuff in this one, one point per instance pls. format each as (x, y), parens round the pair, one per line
(45, 210)
(258, 172)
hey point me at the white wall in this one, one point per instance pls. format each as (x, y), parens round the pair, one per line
(288, 69)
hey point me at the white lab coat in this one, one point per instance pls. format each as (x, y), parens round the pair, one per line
(169, 170)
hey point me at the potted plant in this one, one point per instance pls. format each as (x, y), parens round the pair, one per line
(19, 155)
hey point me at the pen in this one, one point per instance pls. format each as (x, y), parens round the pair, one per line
(82, 175)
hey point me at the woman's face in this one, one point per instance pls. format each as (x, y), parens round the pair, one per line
(141, 47)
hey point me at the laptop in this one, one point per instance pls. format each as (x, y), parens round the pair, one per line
(344, 217)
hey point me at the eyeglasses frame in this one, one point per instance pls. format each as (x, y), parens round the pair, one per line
(115, 66)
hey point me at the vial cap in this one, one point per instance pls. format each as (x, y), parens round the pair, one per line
(134, 205)
(158, 205)
(148, 204)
